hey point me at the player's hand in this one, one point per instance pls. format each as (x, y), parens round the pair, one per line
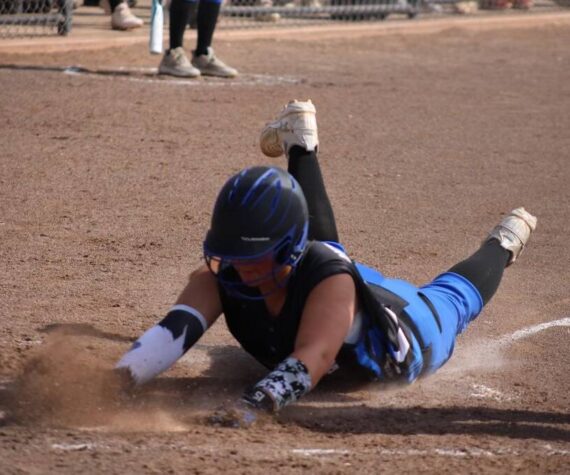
(122, 382)
(238, 415)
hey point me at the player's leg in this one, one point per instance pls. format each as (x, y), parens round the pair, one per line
(294, 132)
(206, 21)
(484, 269)
(180, 11)
(175, 62)
(203, 56)
(304, 166)
(457, 297)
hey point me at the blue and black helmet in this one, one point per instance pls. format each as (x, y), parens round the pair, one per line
(260, 212)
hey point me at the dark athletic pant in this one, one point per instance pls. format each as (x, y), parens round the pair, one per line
(206, 20)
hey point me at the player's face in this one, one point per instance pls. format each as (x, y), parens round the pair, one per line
(255, 272)
(262, 273)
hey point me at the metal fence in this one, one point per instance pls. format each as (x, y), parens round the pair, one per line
(35, 17)
(255, 13)
(314, 11)
(39, 17)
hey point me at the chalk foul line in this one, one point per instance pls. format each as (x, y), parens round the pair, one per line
(532, 330)
(545, 449)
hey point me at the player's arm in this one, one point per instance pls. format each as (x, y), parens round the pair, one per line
(196, 309)
(326, 320)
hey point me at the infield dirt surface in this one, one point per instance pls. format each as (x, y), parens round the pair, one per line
(107, 180)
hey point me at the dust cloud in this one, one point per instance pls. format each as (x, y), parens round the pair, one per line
(68, 383)
(479, 356)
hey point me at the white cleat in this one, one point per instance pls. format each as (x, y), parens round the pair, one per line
(295, 125)
(514, 231)
(123, 19)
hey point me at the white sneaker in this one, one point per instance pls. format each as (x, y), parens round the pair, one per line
(296, 124)
(123, 19)
(176, 63)
(513, 232)
(210, 65)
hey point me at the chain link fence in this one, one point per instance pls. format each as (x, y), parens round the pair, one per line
(315, 11)
(35, 17)
(40, 17)
(256, 13)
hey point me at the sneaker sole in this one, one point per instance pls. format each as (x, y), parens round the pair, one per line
(218, 75)
(269, 140)
(178, 74)
(125, 28)
(528, 218)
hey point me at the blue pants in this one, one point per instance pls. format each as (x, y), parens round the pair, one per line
(456, 302)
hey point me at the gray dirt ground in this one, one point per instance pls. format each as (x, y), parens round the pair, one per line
(106, 187)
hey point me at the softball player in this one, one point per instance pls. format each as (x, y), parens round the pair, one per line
(294, 299)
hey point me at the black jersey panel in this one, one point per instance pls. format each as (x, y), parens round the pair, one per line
(271, 339)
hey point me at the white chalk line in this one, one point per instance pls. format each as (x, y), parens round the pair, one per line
(74, 447)
(528, 331)
(542, 450)
(480, 391)
(545, 449)
(241, 80)
(310, 452)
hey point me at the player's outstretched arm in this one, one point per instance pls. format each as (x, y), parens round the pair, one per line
(161, 346)
(326, 320)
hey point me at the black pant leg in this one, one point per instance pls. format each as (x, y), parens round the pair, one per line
(484, 269)
(304, 166)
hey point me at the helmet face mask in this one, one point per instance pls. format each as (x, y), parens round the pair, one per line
(249, 279)
(256, 277)
(258, 233)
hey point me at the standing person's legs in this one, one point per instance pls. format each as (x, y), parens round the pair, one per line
(179, 16)
(175, 62)
(206, 21)
(294, 132)
(203, 56)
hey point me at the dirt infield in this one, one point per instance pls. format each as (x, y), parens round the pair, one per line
(107, 177)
